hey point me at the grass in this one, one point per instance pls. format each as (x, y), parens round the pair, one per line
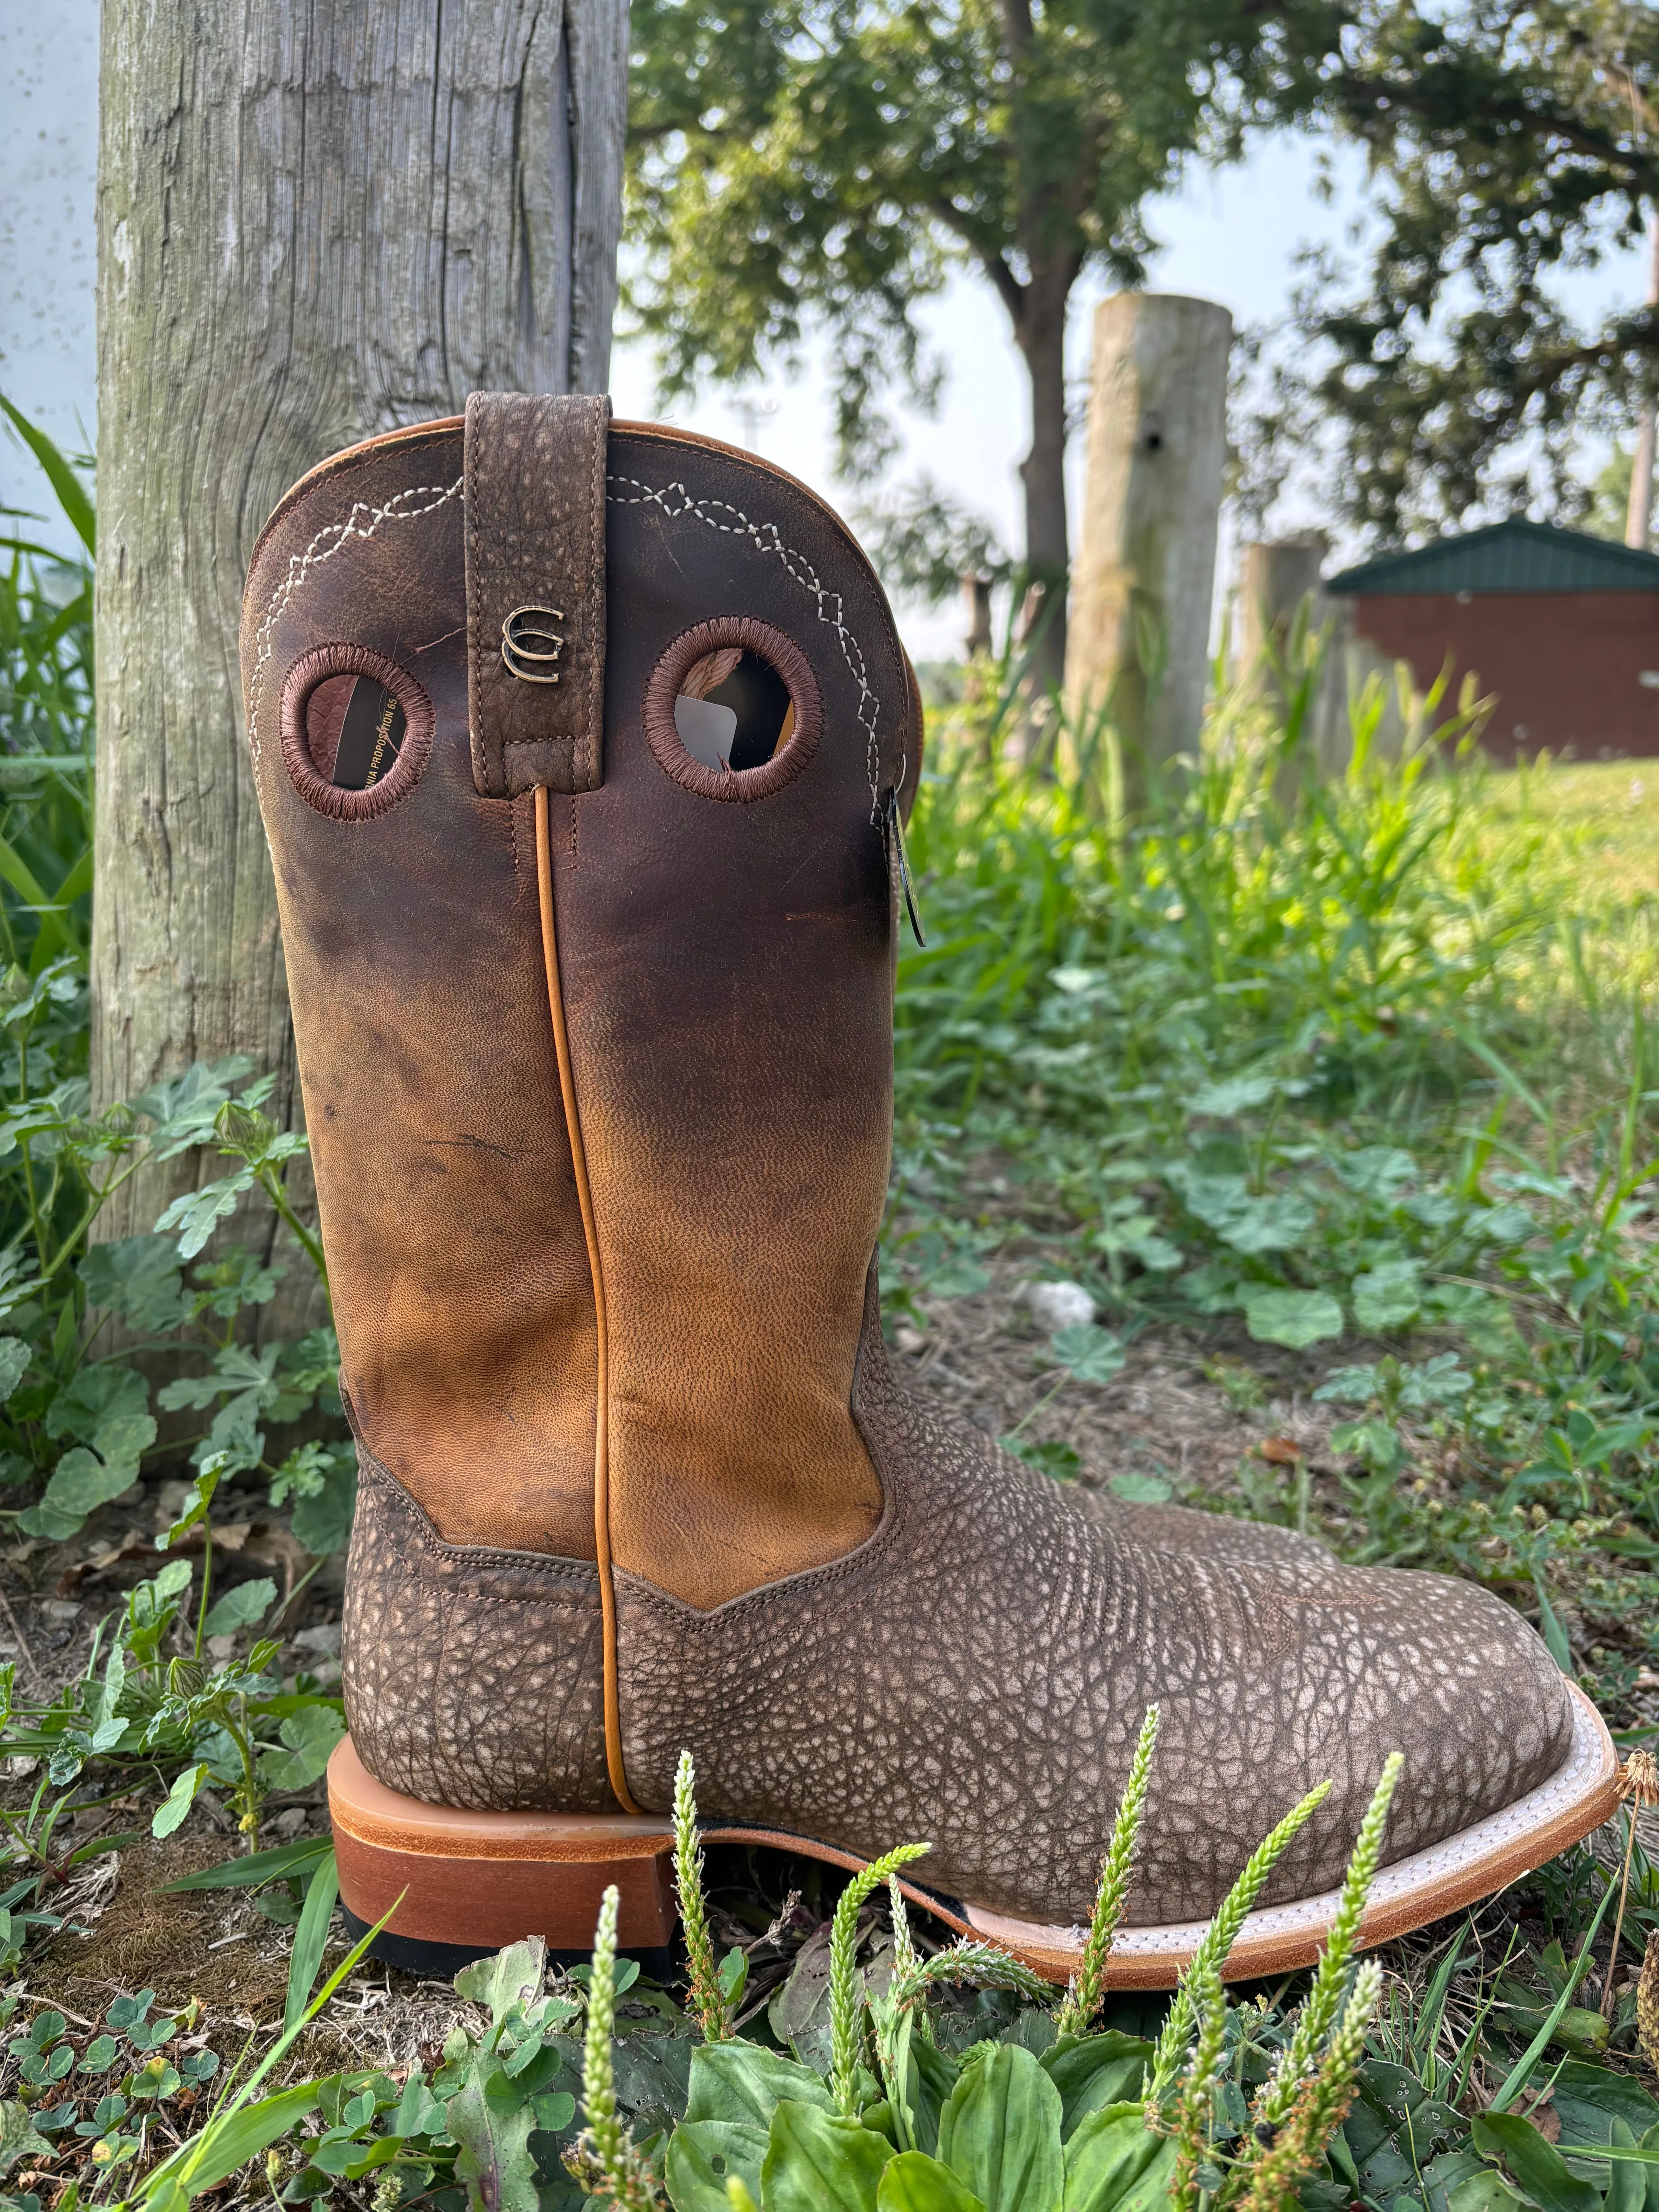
(1608, 812)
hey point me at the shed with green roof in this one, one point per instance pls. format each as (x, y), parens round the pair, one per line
(1561, 630)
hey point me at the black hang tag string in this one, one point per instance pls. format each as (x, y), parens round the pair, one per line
(898, 862)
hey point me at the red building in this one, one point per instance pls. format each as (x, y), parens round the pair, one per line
(1563, 629)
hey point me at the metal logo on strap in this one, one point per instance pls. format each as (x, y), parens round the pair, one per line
(529, 644)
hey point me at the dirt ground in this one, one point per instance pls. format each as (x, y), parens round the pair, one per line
(1186, 1409)
(124, 1934)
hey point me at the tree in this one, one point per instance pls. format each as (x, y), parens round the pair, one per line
(1511, 148)
(797, 162)
(314, 222)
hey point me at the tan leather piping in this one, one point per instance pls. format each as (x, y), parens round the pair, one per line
(613, 1754)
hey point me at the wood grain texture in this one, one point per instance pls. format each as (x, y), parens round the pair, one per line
(315, 222)
(1138, 647)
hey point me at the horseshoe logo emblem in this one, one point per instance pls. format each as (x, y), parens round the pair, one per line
(529, 644)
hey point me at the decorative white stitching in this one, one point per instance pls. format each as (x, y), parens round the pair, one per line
(395, 510)
(765, 535)
(799, 569)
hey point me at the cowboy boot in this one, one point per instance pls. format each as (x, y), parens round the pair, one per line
(581, 749)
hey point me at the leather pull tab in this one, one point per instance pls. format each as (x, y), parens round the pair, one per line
(535, 589)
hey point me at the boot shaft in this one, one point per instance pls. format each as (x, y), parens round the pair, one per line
(645, 1271)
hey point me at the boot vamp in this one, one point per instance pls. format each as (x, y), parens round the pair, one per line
(976, 1675)
(1199, 1534)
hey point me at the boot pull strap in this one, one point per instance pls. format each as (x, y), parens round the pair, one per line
(534, 472)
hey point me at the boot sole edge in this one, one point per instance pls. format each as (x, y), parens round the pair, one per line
(461, 1884)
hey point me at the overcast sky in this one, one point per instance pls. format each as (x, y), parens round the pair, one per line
(1233, 237)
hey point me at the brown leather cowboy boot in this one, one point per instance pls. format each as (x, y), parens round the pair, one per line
(580, 748)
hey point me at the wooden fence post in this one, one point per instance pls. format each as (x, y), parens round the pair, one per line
(1142, 587)
(1274, 579)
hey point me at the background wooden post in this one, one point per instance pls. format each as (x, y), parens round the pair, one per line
(1144, 577)
(1274, 579)
(315, 222)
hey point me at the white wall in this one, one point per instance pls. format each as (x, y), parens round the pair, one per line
(48, 165)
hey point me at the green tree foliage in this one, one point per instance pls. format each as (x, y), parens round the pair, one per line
(803, 162)
(1512, 150)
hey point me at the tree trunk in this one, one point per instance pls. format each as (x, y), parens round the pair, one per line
(1040, 330)
(315, 222)
(1145, 567)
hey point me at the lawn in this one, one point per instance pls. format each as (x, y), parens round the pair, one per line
(1609, 809)
(1339, 1108)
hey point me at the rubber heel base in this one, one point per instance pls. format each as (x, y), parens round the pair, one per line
(453, 1886)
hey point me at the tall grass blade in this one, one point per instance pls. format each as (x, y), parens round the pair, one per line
(1218, 1938)
(1082, 1999)
(707, 1998)
(71, 492)
(1323, 2001)
(845, 1991)
(1516, 2081)
(257, 1869)
(311, 1938)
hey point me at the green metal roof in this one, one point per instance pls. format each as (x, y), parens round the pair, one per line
(1508, 556)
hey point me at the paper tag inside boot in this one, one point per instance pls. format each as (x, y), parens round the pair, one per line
(756, 714)
(898, 865)
(371, 736)
(706, 729)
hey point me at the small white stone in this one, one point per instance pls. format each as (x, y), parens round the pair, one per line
(909, 1339)
(325, 1638)
(1059, 1305)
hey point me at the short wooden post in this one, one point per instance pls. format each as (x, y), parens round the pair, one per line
(976, 600)
(1274, 579)
(1144, 575)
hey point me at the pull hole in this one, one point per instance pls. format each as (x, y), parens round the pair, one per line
(733, 710)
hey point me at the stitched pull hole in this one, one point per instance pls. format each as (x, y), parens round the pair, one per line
(357, 730)
(733, 710)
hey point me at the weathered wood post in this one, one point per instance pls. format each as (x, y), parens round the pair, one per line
(1144, 576)
(976, 600)
(314, 222)
(1638, 514)
(1277, 578)
(1274, 578)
